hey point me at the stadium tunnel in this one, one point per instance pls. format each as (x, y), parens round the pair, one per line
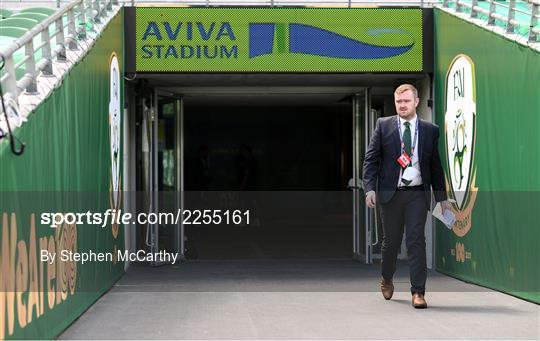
(284, 147)
(279, 145)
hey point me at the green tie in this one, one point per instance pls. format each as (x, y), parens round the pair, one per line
(407, 139)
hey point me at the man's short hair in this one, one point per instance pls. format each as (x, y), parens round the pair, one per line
(404, 87)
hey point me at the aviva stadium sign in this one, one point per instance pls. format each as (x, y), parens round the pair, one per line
(278, 40)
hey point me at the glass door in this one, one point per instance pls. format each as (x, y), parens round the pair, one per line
(166, 230)
(362, 216)
(371, 221)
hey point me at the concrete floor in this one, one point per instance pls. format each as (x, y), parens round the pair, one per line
(296, 299)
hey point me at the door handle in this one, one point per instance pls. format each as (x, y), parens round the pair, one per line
(352, 186)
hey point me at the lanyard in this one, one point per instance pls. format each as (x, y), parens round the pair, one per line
(401, 137)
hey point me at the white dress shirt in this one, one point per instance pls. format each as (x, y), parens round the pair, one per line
(416, 181)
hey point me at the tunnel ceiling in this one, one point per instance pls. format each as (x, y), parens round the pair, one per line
(274, 89)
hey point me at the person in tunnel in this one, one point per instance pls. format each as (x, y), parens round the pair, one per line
(202, 172)
(246, 168)
(401, 166)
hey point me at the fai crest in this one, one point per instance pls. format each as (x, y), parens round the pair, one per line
(114, 131)
(460, 134)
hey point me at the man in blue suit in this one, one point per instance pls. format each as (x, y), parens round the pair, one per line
(401, 166)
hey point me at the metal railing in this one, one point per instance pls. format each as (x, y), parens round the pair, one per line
(510, 9)
(79, 11)
(71, 19)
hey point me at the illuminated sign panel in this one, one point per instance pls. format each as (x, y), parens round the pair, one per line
(278, 40)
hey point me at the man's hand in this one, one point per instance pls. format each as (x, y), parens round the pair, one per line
(445, 205)
(371, 199)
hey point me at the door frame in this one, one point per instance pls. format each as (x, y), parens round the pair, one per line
(362, 216)
(179, 245)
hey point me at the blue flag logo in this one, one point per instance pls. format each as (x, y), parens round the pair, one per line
(311, 40)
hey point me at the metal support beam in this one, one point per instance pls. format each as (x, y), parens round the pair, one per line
(474, 11)
(533, 35)
(492, 10)
(510, 26)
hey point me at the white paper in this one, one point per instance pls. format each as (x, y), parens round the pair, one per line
(448, 218)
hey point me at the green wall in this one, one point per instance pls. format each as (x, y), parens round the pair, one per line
(66, 167)
(500, 248)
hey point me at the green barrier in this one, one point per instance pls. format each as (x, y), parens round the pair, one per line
(43, 10)
(12, 32)
(70, 164)
(39, 17)
(5, 13)
(17, 22)
(487, 91)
